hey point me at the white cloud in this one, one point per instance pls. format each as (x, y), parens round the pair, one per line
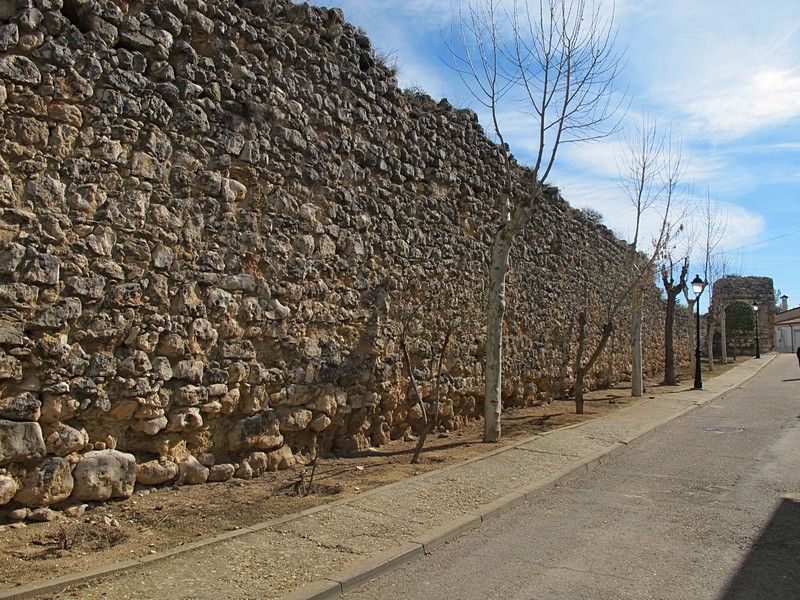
(726, 68)
(734, 109)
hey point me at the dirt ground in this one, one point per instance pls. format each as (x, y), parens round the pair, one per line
(158, 519)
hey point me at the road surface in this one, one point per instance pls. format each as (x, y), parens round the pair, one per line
(701, 508)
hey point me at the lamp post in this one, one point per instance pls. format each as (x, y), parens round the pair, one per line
(698, 285)
(758, 348)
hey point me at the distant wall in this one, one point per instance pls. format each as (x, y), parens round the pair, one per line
(213, 215)
(747, 289)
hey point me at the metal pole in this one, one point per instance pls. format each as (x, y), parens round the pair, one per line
(758, 349)
(698, 378)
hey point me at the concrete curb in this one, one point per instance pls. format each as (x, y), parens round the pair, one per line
(334, 584)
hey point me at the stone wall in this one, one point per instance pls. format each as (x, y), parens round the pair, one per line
(760, 290)
(215, 216)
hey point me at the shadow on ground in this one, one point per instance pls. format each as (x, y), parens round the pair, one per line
(770, 570)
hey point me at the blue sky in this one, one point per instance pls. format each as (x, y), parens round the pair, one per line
(723, 74)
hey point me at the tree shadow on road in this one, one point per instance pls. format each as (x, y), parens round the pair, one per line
(770, 569)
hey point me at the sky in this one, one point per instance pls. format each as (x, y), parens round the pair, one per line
(723, 76)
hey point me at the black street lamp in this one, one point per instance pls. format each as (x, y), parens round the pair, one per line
(698, 285)
(758, 348)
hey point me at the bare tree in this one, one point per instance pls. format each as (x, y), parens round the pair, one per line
(672, 287)
(713, 228)
(427, 324)
(629, 280)
(641, 168)
(429, 422)
(671, 258)
(558, 58)
(649, 168)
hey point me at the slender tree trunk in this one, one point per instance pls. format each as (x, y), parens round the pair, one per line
(669, 344)
(637, 376)
(579, 392)
(710, 330)
(433, 421)
(673, 289)
(579, 370)
(496, 309)
(692, 341)
(583, 369)
(423, 436)
(723, 341)
(426, 424)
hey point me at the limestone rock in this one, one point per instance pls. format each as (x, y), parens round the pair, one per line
(244, 471)
(19, 69)
(185, 419)
(20, 407)
(190, 395)
(10, 258)
(8, 487)
(104, 474)
(280, 459)
(150, 426)
(11, 334)
(253, 466)
(156, 472)
(320, 423)
(20, 442)
(47, 483)
(45, 515)
(61, 439)
(18, 514)
(58, 407)
(75, 510)
(293, 419)
(221, 472)
(10, 367)
(260, 431)
(191, 472)
(189, 370)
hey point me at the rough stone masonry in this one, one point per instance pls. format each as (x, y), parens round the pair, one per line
(216, 216)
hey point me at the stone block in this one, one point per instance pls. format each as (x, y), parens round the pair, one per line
(259, 431)
(185, 419)
(20, 407)
(189, 370)
(190, 395)
(20, 442)
(192, 472)
(156, 472)
(124, 295)
(8, 487)
(48, 482)
(104, 474)
(150, 426)
(61, 439)
(58, 407)
(10, 258)
(221, 472)
(293, 419)
(59, 316)
(280, 459)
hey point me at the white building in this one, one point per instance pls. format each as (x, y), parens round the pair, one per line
(787, 330)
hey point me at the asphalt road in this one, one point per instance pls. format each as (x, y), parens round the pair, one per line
(696, 510)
